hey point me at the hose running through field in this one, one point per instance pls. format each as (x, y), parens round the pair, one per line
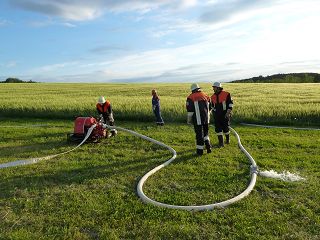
(253, 168)
(223, 204)
(154, 170)
(35, 160)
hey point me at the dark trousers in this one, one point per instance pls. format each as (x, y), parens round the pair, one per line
(221, 124)
(157, 113)
(202, 133)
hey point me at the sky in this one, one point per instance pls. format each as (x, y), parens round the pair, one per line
(158, 40)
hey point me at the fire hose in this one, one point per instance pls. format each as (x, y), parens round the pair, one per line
(144, 198)
(140, 192)
(35, 160)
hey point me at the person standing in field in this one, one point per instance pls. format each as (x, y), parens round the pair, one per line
(156, 107)
(104, 109)
(198, 108)
(222, 107)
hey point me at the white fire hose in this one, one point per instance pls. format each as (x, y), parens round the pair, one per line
(154, 170)
(193, 207)
(35, 160)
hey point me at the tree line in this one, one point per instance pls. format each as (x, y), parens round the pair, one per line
(283, 78)
(16, 80)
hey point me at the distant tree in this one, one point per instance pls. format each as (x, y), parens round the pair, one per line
(16, 80)
(13, 80)
(284, 78)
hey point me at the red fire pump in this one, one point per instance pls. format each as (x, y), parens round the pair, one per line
(81, 127)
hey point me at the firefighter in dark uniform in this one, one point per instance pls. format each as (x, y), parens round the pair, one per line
(198, 108)
(104, 109)
(222, 106)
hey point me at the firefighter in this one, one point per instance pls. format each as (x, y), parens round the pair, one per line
(156, 107)
(104, 109)
(222, 107)
(198, 108)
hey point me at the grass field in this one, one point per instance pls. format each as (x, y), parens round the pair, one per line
(91, 193)
(290, 104)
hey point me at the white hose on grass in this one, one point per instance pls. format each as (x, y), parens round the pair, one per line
(285, 175)
(154, 170)
(35, 160)
(223, 204)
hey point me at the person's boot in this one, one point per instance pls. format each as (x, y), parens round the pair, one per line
(227, 139)
(220, 138)
(199, 152)
(208, 146)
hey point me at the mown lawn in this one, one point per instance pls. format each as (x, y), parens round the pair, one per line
(91, 193)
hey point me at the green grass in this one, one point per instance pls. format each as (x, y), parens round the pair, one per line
(91, 193)
(288, 104)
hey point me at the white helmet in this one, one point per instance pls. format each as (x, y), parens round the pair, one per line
(194, 86)
(217, 84)
(101, 100)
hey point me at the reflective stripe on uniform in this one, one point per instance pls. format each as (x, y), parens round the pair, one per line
(196, 107)
(224, 105)
(208, 107)
(219, 133)
(206, 138)
(200, 147)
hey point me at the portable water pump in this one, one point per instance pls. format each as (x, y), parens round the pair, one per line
(81, 126)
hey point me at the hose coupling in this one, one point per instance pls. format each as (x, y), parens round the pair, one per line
(254, 169)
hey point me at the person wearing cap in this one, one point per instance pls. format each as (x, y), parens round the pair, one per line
(156, 107)
(222, 107)
(198, 108)
(104, 109)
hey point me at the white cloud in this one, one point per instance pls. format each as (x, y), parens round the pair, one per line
(54, 67)
(81, 10)
(10, 64)
(4, 22)
(257, 37)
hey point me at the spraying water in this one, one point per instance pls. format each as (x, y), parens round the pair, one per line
(285, 175)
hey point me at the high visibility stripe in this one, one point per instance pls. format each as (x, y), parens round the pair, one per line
(196, 107)
(219, 134)
(231, 105)
(200, 147)
(227, 133)
(208, 112)
(206, 138)
(224, 105)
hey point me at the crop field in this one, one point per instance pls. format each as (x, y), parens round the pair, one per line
(289, 104)
(90, 193)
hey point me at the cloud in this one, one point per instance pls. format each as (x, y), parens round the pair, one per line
(9, 64)
(109, 49)
(81, 10)
(72, 10)
(224, 10)
(4, 22)
(55, 67)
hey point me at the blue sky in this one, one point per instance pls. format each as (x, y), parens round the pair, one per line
(157, 41)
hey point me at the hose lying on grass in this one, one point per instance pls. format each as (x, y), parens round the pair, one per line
(147, 175)
(35, 160)
(253, 171)
(194, 207)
